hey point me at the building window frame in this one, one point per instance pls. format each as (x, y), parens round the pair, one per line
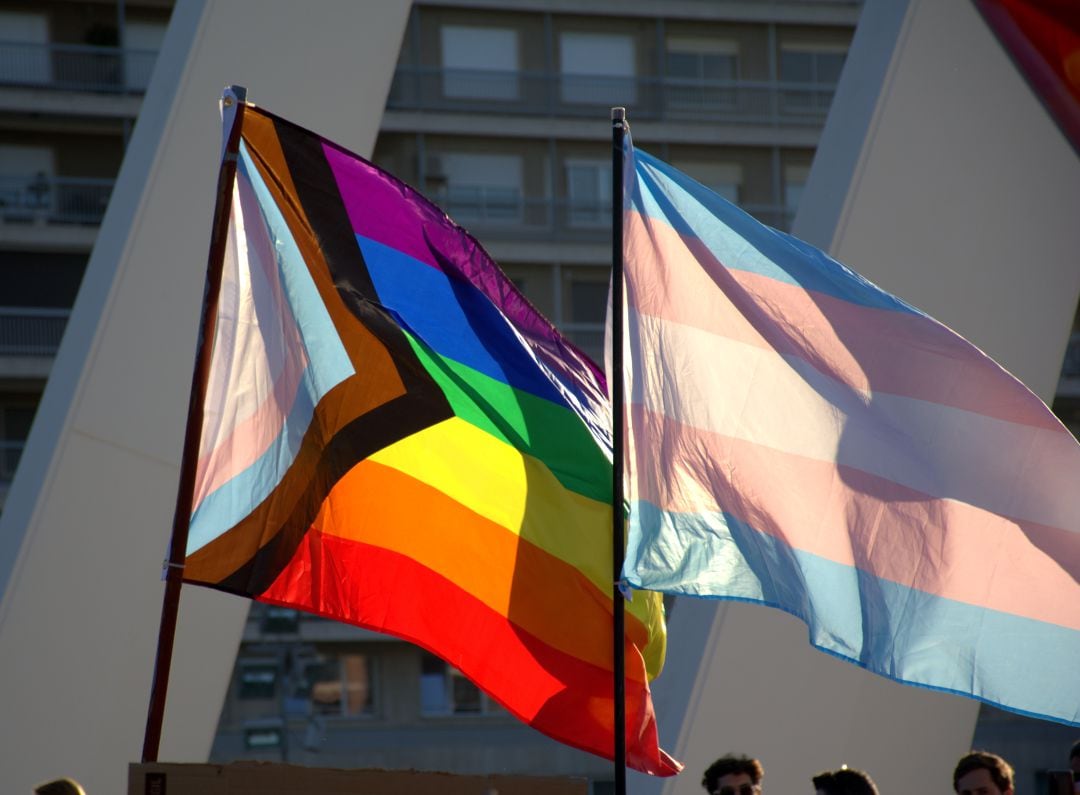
(701, 74)
(446, 692)
(588, 192)
(811, 92)
(597, 68)
(480, 62)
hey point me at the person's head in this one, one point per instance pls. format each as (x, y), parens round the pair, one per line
(982, 773)
(60, 786)
(1074, 757)
(733, 775)
(845, 781)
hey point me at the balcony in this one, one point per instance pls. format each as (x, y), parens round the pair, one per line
(31, 331)
(53, 200)
(1069, 385)
(655, 98)
(75, 67)
(496, 213)
(10, 452)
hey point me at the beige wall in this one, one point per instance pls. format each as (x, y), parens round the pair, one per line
(86, 525)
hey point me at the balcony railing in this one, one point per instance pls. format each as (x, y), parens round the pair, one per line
(547, 94)
(497, 213)
(589, 337)
(75, 67)
(10, 452)
(1071, 367)
(42, 199)
(34, 331)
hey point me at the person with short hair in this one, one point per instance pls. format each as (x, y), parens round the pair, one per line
(982, 773)
(845, 781)
(734, 775)
(60, 786)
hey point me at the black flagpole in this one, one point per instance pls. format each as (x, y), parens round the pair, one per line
(618, 133)
(232, 103)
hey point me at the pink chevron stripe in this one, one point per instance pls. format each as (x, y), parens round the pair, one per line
(253, 384)
(872, 350)
(942, 547)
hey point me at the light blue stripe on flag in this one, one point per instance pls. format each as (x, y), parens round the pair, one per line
(740, 242)
(330, 362)
(453, 318)
(328, 366)
(893, 630)
(233, 500)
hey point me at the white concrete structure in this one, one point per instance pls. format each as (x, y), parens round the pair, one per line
(86, 527)
(940, 177)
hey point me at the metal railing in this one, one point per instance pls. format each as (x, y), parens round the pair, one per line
(1071, 367)
(31, 331)
(498, 213)
(44, 199)
(75, 67)
(10, 452)
(548, 94)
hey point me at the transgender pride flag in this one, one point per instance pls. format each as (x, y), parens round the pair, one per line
(799, 438)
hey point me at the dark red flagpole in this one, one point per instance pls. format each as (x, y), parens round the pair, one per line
(232, 113)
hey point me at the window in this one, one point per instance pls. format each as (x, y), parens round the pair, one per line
(142, 41)
(588, 188)
(597, 68)
(480, 187)
(257, 680)
(16, 417)
(25, 57)
(701, 73)
(585, 298)
(280, 620)
(795, 177)
(723, 178)
(480, 63)
(818, 67)
(259, 735)
(444, 690)
(332, 685)
(26, 181)
(588, 301)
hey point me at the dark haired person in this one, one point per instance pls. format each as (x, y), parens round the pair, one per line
(982, 773)
(845, 781)
(1074, 758)
(734, 775)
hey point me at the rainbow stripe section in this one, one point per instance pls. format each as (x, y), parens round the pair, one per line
(831, 451)
(396, 439)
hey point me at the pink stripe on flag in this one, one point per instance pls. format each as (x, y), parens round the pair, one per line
(739, 390)
(246, 412)
(942, 547)
(677, 278)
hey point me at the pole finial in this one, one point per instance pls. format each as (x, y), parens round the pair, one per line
(618, 114)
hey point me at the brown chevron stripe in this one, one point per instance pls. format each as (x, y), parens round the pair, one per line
(391, 395)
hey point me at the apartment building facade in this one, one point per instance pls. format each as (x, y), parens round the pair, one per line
(499, 112)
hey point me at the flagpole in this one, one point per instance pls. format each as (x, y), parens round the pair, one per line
(232, 110)
(618, 133)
